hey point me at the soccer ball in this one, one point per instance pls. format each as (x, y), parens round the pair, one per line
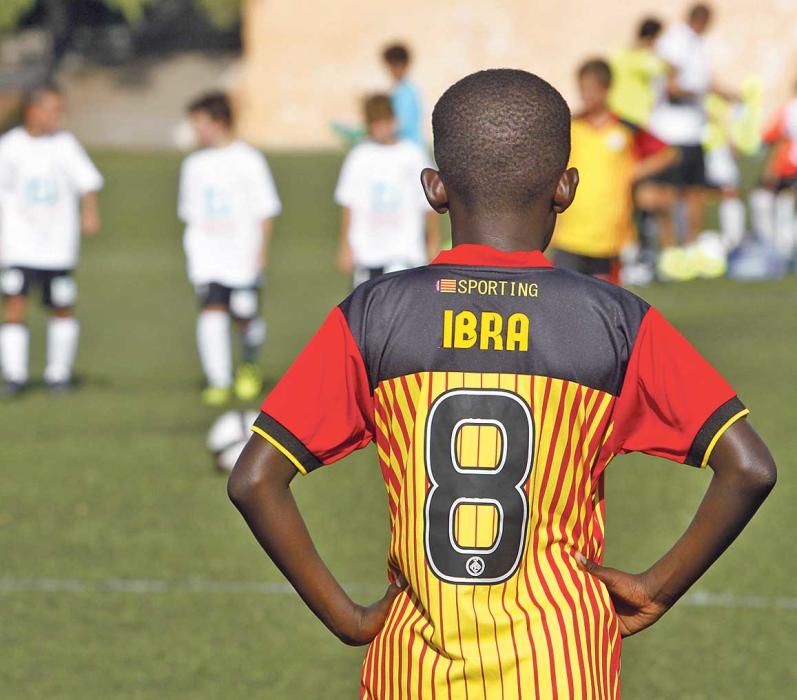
(227, 437)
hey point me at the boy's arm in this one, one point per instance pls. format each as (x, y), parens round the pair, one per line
(90, 214)
(259, 486)
(744, 474)
(432, 235)
(655, 163)
(673, 86)
(345, 257)
(267, 226)
(725, 93)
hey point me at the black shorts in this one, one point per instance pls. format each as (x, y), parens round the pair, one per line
(602, 268)
(58, 287)
(364, 274)
(242, 302)
(786, 183)
(689, 171)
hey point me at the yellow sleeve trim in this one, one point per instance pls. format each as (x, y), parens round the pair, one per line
(296, 463)
(719, 434)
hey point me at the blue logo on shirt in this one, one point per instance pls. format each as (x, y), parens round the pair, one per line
(41, 191)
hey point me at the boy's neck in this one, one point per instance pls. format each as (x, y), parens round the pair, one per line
(509, 232)
(34, 132)
(599, 116)
(222, 141)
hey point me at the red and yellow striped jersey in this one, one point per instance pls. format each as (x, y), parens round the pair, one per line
(497, 390)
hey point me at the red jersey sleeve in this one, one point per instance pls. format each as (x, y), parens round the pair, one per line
(643, 143)
(646, 144)
(322, 409)
(773, 130)
(673, 403)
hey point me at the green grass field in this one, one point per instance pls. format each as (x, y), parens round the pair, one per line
(126, 573)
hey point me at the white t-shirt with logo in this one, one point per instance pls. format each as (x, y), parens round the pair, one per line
(682, 124)
(225, 195)
(381, 184)
(42, 179)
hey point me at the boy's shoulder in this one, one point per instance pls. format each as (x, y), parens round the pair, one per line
(14, 134)
(586, 329)
(244, 149)
(18, 137)
(573, 289)
(66, 142)
(412, 148)
(238, 150)
(11, 140)
(401, 150)
(600, 293)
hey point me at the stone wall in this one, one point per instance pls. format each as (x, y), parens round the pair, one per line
(307, 62)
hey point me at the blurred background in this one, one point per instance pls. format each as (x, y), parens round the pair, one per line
(293, 67)
(125, 571)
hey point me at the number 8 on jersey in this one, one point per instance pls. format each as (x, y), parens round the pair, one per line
(456, 418)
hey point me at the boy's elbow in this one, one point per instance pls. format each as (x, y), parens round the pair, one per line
(743, 456)
(759, 474)
(242, 482)
(260, 472)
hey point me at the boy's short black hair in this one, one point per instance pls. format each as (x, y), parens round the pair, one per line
(501, 138)
(598, 69)
(35, 94)
(649, 28)
(396, 54)
(215, 104)
(699, 13)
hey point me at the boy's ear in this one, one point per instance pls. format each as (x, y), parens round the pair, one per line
(565, 190)
(435, 190)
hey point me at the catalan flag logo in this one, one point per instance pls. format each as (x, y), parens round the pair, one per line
(446, 286)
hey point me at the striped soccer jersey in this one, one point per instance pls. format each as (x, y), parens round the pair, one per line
(497, 390)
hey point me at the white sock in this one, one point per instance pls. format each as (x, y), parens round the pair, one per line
(14, 352)
(62, 340)
(762, 212)
(784, 222)
(253, 336)
(732, 222)
(215, 353)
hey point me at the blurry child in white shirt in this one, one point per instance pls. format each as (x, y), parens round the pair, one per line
(48, 193)
(227, 201)
(386, 223)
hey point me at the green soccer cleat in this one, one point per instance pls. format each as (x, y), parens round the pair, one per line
(216, 396)
(248, 382)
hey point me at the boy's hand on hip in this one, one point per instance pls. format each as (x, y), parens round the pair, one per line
(367, 622)
(634, 602)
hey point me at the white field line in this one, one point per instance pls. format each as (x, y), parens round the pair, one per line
(701, 599)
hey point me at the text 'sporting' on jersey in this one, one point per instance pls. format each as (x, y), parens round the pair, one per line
(497, 390)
